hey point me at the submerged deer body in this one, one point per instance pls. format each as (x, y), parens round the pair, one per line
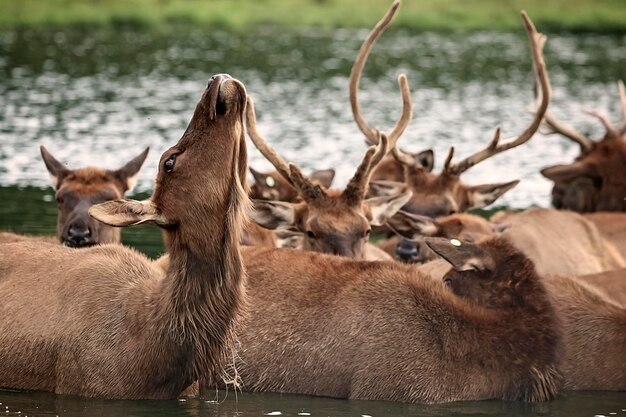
(342, 328)
(335, 221)
(79, 189)
(596, 181)
(108, 323)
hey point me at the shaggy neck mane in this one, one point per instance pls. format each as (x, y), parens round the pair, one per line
(203, 291)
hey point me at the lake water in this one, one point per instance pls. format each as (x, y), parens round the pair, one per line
(99, 97)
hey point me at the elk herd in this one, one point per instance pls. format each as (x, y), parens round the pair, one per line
(280, 286)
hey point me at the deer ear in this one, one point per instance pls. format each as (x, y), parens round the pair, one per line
(485, 194)
(567, 173)
(412, 226)
(56, 170)
(386, 188)
(462, 256)
(121, 213)
(426, 159)
(274, 214)
(323, 177)
(383, 208)
(128, 173)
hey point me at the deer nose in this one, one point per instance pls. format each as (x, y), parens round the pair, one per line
(407, 251)
(78, 235)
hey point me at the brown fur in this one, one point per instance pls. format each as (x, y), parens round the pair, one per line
(79, 189)
(612, 227)
(9, 237)
(558, 242)
(108, 323)
(594, 336)
(612, 284)
(596, 180)
(333, 327)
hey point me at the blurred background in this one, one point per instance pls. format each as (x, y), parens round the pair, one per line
(97, 81)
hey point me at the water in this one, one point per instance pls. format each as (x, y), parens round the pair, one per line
(579, 404)
(99, 97)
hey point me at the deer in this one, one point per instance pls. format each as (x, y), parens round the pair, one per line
(594, 329)
(559, 242)
(596, 180)
(111, 324)
(335, 221)
(76, 191)
(272, 185)
(443, 193)
(337, 327)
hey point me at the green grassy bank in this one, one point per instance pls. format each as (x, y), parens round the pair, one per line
(440, 15)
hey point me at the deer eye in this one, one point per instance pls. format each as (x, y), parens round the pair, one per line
(310, 234)
(270, 182)
(448, 282)
(59, 200)
(169, 163)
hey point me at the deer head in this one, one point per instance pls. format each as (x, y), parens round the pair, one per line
(79, 189)
(272, 186)
(444, 193)
(596, 181)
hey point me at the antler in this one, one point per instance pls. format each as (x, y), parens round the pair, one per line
(536, 44)
(357, 187)
(290, 172)
(622, 100)
(371, 134)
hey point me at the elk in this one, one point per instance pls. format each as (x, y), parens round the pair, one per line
(594, 329)
(109, 323)
(559, 242)
(445, 193)
(342, 328)
(272, 185)
(335, 221)
(596, 180)
(612, 227)
(76, 191)
(79, 189)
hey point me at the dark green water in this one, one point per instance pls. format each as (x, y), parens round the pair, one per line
(99, 97)
(579, 404)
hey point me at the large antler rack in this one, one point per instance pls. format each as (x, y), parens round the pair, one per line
(495, 147)
(554, 125)
(371, 134)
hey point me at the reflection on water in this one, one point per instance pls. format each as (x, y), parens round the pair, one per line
(99, 97)
(91, 101)
(579, 404)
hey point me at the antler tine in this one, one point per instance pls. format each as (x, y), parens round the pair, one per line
(357, 187)
(610, 129)
(622, 100)
(357, 69)
(446, 164)
(271, 155)
(536, 44)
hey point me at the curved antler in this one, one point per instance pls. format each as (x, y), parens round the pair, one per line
(355, 78)
(290, 172)
(536, 45)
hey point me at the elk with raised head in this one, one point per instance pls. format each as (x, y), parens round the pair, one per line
(444, 193)
(272, 186)
(335, 221)
(108, 323)
(596, 181)
(76, 191)
(382, 331)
